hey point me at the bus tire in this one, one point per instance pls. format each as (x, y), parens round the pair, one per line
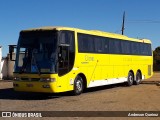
(78, 85)
(138, 78)
(130, 79)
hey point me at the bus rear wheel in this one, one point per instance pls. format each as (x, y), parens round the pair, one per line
(130, 79)
(138, 78)
(78, 85)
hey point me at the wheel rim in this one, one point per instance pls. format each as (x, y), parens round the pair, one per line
(138, 78)
(130, 78)
(79, 86)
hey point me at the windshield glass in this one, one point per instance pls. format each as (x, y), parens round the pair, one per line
(36, 52)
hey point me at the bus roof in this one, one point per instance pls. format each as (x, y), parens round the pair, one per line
(92, 32)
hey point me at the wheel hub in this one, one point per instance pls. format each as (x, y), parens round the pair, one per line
(79, 86)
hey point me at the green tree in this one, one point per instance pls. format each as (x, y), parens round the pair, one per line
(156, 59)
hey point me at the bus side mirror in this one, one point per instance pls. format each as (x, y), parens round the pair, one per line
(11, 51)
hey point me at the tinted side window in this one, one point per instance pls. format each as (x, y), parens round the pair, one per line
(149, 49)
(111, 46)
(126, 48)
(146, 49)
(114, 46)
(97, 44)
(135, 48)
(101, 44)
(85, 43)
(105, 44)
(92, 44)
(67, 37)
(81, 43)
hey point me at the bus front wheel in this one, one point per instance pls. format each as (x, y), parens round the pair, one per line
(78, 85)
(130, 79)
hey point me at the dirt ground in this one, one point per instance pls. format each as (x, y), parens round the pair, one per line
(144, 97)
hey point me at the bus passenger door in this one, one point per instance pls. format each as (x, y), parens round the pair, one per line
(63, 59)
(66, 52)
(66, 57)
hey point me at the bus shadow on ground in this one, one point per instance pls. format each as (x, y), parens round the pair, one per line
(9, 93)
(151, 82)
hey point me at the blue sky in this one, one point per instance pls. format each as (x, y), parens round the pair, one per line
(142, 17)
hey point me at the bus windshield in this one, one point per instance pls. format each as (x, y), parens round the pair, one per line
(36, 52)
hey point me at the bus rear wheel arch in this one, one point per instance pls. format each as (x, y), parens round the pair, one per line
(138, 78)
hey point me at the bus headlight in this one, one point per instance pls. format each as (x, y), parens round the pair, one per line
(47, 80)
(17, 79)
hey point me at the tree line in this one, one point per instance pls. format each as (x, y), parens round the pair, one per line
(156, 59)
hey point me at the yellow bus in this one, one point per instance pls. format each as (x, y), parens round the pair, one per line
(59, 59)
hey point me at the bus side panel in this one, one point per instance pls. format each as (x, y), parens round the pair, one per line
(116, 61)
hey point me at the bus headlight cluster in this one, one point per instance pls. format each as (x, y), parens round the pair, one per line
(17, 79)
(47, 80)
